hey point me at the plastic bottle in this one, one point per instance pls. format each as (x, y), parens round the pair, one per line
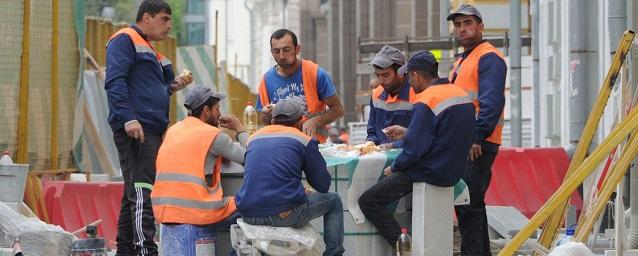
(249, 118)
(569, 236)
(6, 158)
(404, 243)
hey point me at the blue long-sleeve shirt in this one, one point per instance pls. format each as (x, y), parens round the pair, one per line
(137, 86)
(387, 110)
(276, 156)
(439, 137)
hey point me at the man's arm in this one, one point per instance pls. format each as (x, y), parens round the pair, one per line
(372, 128)
(314, 167)
(492, 72)
(120, 57)
(418, 138)
(224, 146)
(335, 111)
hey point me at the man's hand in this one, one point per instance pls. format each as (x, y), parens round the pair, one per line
(309, 127)
(181, 82)
(134, 130)
(231, 122)
(387, 171)
(395, 132)
(475, 152)
(265, 114)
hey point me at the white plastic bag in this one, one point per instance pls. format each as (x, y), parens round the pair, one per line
(305, 241)
(571, 249)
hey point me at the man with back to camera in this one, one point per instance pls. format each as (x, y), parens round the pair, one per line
(139, 82)
(391, 102)
(435, 143)
(481, 71)
(297, 77)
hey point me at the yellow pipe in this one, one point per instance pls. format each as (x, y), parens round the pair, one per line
(55, 86)
(613, 178)
(568, 186)
(23, 120)
(551, 227)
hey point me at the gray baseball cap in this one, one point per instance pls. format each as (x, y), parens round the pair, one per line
(289, 109)
(465, 9)
(197, 95)
(387, 56)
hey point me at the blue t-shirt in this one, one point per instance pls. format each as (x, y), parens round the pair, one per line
(280, 87)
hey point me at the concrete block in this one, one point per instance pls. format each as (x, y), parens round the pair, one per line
(506, 220)
(432, 221)
(626, 253)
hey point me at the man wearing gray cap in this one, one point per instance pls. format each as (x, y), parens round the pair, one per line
(481, 71)
(187, 197)
(391, 103)
(272, 193)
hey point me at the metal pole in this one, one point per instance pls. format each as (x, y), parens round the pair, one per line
(23, 121)
(536, 134)
(54, 84)
(515, 73)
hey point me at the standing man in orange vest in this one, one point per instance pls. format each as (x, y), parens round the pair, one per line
(297, 77)
(481, 71)
(188, 198)
(139, 82)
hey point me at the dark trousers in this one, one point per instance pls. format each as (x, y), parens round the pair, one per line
(373, 204)
(472, 218)
(136, 224)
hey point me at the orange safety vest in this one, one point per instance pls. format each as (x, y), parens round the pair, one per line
(181, 194)
(440, 97)
(467, 78)
(316, 107)
(392, 103)
(141, 45)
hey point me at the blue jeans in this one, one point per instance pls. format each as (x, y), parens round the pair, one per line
(327, 205)
(182, 239)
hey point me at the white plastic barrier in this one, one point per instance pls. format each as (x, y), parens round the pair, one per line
(432, 219)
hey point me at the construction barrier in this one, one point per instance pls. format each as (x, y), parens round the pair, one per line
(526, 178)
(73, 205)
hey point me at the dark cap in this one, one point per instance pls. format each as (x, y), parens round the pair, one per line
(197, 95)
(465, 9)
(387, 56)
(423, 61)
(289, 109)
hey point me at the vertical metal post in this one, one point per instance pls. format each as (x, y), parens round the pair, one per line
(515, 73)
(23, 121)
(536, 134)
(55, 86)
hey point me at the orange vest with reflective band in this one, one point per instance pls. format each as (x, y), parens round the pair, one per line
(392, 103)
(315, 106)
(442, 96)
(141, 45)
(467, 78)
(181, 194)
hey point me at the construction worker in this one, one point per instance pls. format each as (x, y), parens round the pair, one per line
(297, 77)
(481, 71)
(188, 198)
(435, 143)
(139, 82)
(272, 193)
(391, 103)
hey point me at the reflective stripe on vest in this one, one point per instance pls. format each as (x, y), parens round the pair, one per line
(441, 97)
(391, 103)
(141, 45)
(465, 76)
(315, 106)
(280, 131)
(181, 193)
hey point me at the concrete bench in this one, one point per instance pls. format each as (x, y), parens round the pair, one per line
(432, 219)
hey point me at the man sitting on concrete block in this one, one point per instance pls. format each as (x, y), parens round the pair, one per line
(436, 143)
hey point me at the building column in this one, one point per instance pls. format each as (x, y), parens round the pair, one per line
(347, 57)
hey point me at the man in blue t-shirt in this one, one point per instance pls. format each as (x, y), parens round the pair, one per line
(296, 77)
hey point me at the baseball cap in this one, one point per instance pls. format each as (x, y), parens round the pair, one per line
(422, 60)
(387, 56)
(289, 109)
(465, 9)
(197, 95)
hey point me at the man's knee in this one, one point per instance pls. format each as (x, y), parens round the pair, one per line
(336, 199)
(365, 201)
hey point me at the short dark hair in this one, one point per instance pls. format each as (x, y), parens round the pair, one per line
(394, 67)
(280, 33)
(289, 123)
(211, 101)
(152, 7)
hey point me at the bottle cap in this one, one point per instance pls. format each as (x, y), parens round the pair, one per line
(569, 232)
(404, 230)
(6, 152)
(250, 103)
